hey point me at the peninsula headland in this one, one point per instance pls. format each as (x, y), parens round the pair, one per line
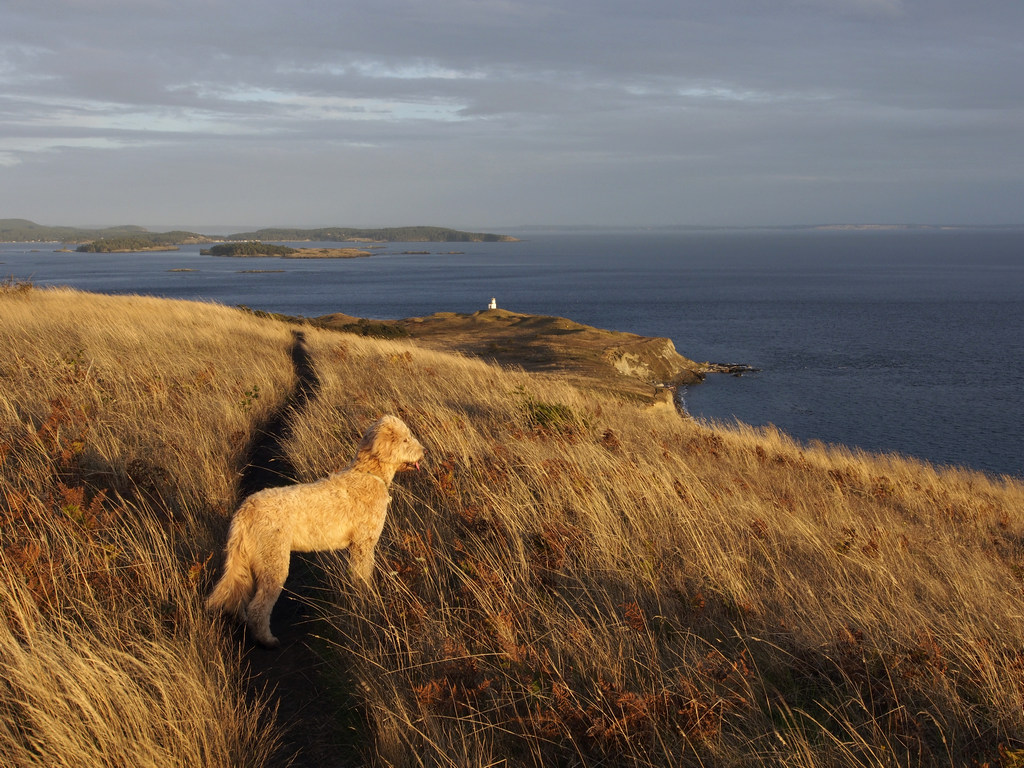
(641, 367)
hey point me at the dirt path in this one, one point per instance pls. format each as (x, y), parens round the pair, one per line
(318, 719)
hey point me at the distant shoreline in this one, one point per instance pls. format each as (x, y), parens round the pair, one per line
(25, 231)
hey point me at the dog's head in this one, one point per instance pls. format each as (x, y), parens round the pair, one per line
(390, 442)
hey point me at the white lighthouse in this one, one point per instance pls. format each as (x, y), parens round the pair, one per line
(493, 304)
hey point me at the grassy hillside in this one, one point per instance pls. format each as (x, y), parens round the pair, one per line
(570, 580)
(122, 424)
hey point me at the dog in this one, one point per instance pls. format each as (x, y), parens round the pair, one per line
(344, 509)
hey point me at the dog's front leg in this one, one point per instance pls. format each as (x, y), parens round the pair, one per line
(361, 558)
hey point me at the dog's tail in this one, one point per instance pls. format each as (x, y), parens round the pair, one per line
(232, 592)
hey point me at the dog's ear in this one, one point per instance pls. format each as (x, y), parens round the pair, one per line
(377, 438)
(368, 439)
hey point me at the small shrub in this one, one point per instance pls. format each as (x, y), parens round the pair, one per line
(377, 330)
(548, 417)
(13, 286)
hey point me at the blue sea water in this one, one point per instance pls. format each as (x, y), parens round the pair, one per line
(895, 341)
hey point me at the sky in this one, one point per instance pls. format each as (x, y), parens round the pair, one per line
(498, 113)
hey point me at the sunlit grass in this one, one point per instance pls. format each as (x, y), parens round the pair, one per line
(571, 580)
(576, 581)
(122, 422)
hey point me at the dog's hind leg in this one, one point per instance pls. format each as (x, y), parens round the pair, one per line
(270, 578)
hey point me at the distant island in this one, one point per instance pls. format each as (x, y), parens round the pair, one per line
(327, 253)
(251, 248)
(125, 245)
(133, 238)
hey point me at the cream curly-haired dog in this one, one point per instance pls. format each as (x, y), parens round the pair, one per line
(344, 509)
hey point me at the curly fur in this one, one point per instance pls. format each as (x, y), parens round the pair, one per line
(345, 509)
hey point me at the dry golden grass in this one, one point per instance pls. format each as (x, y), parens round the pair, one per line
(122, 422)
(574, 581)
(570, 581)
(107, 658)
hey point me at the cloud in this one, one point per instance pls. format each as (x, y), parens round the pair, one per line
(884, 8)
(537, 109)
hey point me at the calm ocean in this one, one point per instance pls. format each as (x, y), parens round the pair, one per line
(908, 342)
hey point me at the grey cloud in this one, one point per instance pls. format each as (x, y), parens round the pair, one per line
(643, 110)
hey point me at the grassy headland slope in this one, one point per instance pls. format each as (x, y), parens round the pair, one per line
(576, 581)
(570, 580)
